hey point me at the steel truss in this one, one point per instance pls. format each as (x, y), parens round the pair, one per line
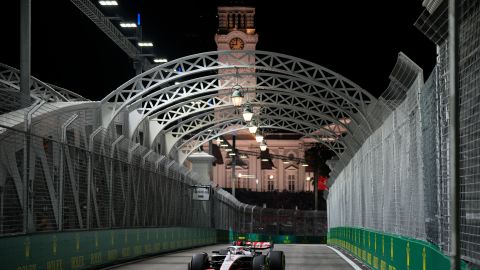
(10, 79)
(286, 90)
(296, 97)
(334, 105)
(153, 80)
(187, 147)
(305, 122)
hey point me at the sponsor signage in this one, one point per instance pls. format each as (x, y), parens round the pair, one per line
(201, 193)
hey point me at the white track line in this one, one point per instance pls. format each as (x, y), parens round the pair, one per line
(356, 267)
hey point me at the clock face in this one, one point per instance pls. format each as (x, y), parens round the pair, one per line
(236, 44)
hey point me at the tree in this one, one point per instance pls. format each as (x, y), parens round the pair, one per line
(316, 158)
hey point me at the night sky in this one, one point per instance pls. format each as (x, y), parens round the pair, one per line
(358, 39)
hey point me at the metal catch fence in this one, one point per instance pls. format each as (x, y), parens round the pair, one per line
(68, 182)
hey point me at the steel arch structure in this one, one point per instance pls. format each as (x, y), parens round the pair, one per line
(143, 84)
(302, 126)
(187, 147)
(306, 122)
(10, 78)
(286, 90)
(189, 109)
(209, 117)
(180, 102)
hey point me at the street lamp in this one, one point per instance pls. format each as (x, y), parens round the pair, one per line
(237, 95)
(247, 113)
(263, 145)
(258, 137)
(252, 126)
(237, 92)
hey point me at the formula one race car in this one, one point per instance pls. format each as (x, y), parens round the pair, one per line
(253, 244)
(239, 258)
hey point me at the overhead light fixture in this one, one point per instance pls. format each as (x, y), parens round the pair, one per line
(270, 176)
(243, 156)
(237, 92)
(145, 44)
(258, 137)
(252, 126)
(108, 3)
(256, 181)
(237, 95)
(246, 175)
(218, 141)
(223, 145)
(228, 149)
(264, 159)
(231, 154)
(286, 162)
(160, 60)
(308, 178)
(263, 146)
(304, 164)
(247, 113)
(128, 25)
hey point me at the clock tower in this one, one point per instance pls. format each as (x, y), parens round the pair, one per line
(236, 28)
(236, 31)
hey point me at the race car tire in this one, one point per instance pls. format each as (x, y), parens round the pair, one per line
(259, 262)
(199, 261)
(276, 260)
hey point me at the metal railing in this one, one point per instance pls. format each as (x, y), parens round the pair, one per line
(68, 182)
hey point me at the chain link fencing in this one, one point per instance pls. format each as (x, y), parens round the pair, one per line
(398, 181)
(78, 179)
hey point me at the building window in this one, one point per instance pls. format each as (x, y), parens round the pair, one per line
(270, 186)
(291, 182)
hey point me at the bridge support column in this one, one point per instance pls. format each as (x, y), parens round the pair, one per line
(202, 165)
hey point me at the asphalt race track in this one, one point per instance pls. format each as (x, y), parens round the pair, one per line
(297, 257)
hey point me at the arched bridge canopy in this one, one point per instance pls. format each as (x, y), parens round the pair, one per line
(10, 80)
(190, 103)
(288, 82)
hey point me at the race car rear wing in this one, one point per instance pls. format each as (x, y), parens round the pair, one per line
(259, 245)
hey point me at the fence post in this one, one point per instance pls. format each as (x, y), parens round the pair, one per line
(110, 181)
(27, 170)
(251, 220)
(90, 175)
(61, 195)
(453, 131)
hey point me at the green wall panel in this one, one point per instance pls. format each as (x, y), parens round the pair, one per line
(388, 252)
(86, 249)
(279, 239)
